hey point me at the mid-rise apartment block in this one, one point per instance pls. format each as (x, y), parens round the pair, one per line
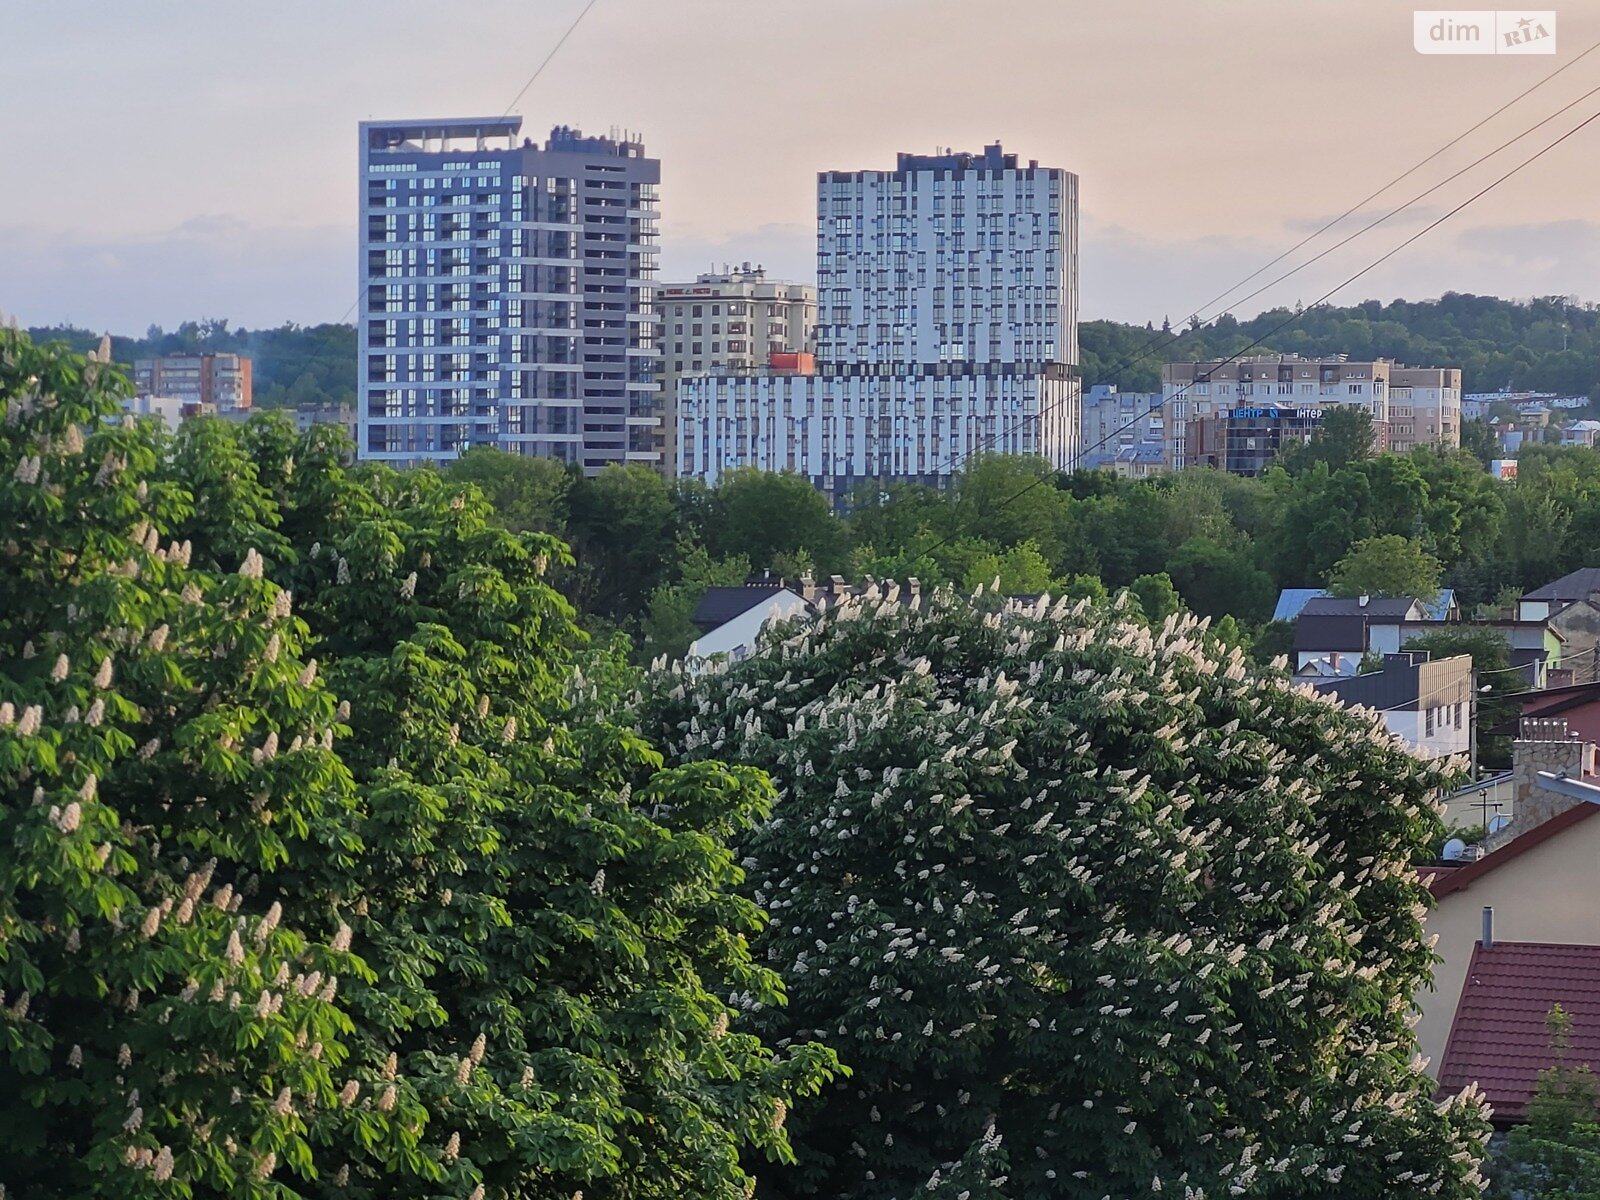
(506, 293)
(947, 326)
(734, 320)
(1115, 422)
(1237, 415)
(207, 382)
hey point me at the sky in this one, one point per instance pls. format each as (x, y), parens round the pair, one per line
(173, 160)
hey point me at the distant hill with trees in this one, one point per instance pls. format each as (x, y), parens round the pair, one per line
(293, 364)
(1550, 343)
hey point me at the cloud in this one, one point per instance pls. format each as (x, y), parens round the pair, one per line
(207, 265)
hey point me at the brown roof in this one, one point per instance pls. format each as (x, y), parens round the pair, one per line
(1443, 883)
(1500, 1040)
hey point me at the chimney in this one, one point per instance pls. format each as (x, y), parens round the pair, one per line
(1487, 939)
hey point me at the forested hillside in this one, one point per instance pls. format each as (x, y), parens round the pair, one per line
(1548, 344)
(293, 364)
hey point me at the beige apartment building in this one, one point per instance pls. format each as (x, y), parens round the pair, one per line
(1410, 406)
(728, 322)
(221, 381)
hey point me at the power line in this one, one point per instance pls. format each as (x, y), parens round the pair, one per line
(1168, 338)
(1379, 261)
(1418, 197)
(1455, 141)
(578, 20)
(522, 91)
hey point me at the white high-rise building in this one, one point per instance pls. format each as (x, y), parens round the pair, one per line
(947, 326)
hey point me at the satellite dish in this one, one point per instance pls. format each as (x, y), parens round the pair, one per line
(1454, 849)
(1498, 822)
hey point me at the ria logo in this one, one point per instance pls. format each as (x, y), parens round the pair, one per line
(1484, 31)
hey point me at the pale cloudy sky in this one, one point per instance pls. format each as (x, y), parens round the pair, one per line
(170, 159)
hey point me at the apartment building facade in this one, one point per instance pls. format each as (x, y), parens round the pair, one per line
(947, 326)
(206, 382)
(1246, 410)
(507, 293)
(1115, 422)
(732, 321)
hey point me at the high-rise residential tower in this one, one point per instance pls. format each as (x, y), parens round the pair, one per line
(947, 327)
(506, 293)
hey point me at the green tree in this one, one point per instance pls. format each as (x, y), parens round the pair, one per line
(1273, 640)
(624, 527)
(1158, 599)
(1556, 1154)
(1478, 440)
(1345, 436)
(173, 1024)
(763, 517)
(1386, 566)
(1011, 499)
(1215, 580)
(527, 493)
(1091, 909)
(1019, 570)
(404, 919)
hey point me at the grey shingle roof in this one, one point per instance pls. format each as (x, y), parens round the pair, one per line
(1579, 585)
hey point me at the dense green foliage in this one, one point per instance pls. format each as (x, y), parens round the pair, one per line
(645, 548)
(1091, 909)
(291, 365)
(320, 876)
(1548, 344)
(1389, 565)
(1556, 1154)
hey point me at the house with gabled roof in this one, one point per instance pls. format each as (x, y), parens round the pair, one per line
(1516, 928)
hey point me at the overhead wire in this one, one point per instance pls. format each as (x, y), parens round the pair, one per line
(1238, 354)
(1168, 338)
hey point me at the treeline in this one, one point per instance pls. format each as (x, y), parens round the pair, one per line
(1332, 514)
(292, 364)
(1551, 343)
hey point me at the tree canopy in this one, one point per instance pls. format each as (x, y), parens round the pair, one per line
(324, 879)
(1389, 565)
(1089, 907)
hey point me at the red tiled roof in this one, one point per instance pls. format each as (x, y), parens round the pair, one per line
(1442, 883)
(1499, 1039)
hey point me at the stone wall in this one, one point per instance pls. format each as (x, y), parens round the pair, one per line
(1544, 744)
